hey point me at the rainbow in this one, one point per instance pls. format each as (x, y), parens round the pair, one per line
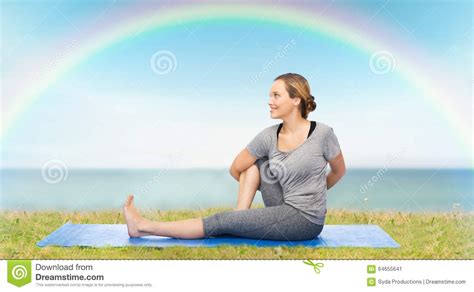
(408, 66)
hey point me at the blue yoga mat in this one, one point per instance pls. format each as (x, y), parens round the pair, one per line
(103, 235)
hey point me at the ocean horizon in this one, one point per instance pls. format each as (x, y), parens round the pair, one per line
(95, 189)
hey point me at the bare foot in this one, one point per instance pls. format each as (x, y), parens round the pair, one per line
(133, 218)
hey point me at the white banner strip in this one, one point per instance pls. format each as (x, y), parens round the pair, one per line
(237, 275)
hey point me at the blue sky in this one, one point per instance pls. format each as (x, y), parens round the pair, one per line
(115, 111)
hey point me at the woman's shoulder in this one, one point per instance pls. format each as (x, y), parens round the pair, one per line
(323, 128)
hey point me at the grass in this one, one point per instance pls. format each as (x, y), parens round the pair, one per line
(421, 236)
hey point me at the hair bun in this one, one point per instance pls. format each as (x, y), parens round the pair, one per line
(311, 104)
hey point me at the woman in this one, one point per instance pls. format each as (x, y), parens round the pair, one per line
(286, 162)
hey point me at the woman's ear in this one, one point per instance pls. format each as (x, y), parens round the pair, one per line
(296, 100)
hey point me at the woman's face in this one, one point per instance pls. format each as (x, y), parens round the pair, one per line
(280, 102)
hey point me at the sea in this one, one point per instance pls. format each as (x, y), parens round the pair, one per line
(406, 190)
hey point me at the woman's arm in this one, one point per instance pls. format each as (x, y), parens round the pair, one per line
(338, 169)
(241, 162)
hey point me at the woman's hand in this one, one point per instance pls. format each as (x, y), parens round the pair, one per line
(338, 169)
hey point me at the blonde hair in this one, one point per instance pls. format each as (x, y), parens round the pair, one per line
(298, 86)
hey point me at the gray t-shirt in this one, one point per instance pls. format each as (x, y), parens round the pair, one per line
(301, 172)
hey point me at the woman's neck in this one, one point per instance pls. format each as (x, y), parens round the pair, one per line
(294, 125)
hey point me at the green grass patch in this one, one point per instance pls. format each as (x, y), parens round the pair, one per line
(421, 236)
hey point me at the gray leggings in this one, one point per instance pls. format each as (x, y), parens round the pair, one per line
(277, 221)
